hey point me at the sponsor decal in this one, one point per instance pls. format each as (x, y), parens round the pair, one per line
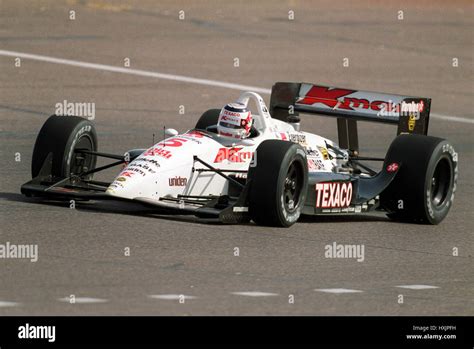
(338, 98)
(393, 167)
(115, 185)
(324, 153)
(328, 97)
(173, 142)
(233, 118)
(229, 114)
(127, 174)
(393, 109)
(150, 162)
(177, 181)
(227, 134)
(158, 152)
(333, 194)
(297, 138)
(345, 210)
(315, 164)
(233, 155)
(333, 98)
(143, 166)
(132, 170)
(194, 134)
(412, 122)
(412, 108)
(239, 175)
(121, 179)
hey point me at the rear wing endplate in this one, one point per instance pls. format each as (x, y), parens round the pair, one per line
(411, 114)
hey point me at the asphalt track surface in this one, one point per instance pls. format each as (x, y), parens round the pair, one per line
(81, 251)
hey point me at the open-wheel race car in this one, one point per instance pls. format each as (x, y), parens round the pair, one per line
(275, 174)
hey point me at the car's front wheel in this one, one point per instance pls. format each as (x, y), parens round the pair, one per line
(57, 142)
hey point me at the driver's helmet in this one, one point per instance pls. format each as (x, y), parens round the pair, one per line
(235, 121)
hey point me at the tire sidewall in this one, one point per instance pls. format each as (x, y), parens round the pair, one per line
(295, 153)
(83, 129)
(444, 150)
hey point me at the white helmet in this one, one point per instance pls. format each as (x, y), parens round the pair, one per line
(235, 121)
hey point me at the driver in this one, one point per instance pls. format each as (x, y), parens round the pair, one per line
(235, 121)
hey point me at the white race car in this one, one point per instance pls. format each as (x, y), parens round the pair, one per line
(271, 177)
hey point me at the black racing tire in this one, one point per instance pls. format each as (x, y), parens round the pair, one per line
(61, 135)
(279, 182)
(423, 189)
(209, 118)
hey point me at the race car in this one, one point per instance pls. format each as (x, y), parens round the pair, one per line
(272, 176)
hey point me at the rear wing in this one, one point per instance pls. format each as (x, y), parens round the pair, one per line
(411, 114)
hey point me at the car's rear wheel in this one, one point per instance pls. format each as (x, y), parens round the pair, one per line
(60, 136)
(424, 187)
(278, 184)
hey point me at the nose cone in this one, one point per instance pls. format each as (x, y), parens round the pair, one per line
(148, 176)
(137, 179)
(126, 185)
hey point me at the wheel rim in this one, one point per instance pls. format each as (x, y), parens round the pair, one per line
(440, 182)
(81, 162)
(293, 187)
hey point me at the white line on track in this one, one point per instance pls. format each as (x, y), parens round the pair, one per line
(181, 78)
(111, 68)
(4, 304)
(171, 297)
(337, 290)
(452, 118)
(254, 294)
(417, 287)
(83, 300)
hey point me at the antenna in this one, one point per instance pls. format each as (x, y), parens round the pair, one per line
(153, 139)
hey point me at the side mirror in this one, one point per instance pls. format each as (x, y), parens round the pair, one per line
(170, 132)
